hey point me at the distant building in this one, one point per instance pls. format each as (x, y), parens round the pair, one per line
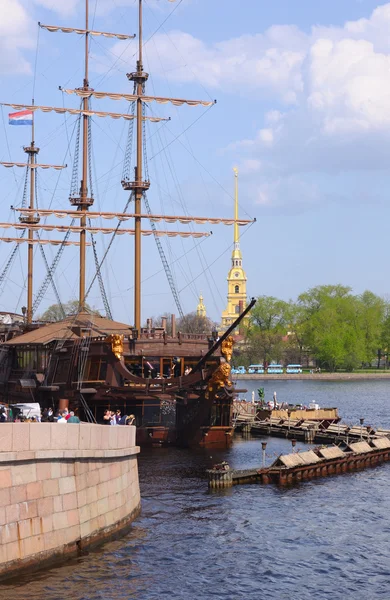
(236, 297)
(201, 309)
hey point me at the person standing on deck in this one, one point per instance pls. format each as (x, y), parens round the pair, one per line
(73, 418)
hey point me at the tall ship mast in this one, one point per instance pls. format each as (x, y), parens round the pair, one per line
(177, 385)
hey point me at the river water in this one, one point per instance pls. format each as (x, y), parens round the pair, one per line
(324, 539)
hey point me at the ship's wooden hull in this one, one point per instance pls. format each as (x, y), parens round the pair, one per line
(151, 380)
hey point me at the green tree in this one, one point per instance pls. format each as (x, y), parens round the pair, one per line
(331, 326)
(385, 332)
(55, 312)
(372, 318)
(266, 327)
(295, 343)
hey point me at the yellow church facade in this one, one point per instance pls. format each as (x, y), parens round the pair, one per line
(236, 298)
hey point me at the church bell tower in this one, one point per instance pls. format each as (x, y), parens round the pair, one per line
(236, 298)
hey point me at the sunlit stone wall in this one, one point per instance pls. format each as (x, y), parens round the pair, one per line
(63, 487)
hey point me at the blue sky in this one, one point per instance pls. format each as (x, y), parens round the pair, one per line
(303, 92)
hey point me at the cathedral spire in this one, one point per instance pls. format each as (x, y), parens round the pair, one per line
(236, 298)
(236, 248)
(236, 234)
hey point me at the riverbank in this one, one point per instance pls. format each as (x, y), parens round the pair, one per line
(315, 376)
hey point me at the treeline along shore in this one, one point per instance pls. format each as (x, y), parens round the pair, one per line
(327, 327)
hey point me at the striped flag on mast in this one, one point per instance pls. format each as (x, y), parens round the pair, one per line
(24, 117)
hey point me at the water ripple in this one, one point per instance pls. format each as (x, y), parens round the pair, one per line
(326, 539)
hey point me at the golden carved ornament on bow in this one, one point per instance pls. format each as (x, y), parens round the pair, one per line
(227, 348)
(220, 377)
(116, 340)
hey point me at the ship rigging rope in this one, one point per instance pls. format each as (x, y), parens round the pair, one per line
(161, 133)
(14, 251)
(44, 256)
(228, 248)
(111, 174)
(7, 142)
(202, 258)
(162, 269)
(170, 168)
(49, 277)
(177, 49)
(191, 153)
(75, 171)
(98, 271)
(45, 284)
(183, 132)
(108, 247)
(126, 176)
(166, 152)
(163, 23)
(165, 263)
(35, 64)
(119, 57)
(159, 139)
(171, 262)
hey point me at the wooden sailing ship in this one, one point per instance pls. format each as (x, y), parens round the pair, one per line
(177, 385)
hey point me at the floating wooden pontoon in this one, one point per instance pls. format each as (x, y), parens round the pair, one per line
(314, 431)
(289, 469)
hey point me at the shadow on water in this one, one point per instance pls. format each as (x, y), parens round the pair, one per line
(324, 539)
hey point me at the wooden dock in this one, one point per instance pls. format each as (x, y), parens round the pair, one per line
(312, 431)
(290, 469)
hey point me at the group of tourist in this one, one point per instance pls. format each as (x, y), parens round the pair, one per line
(61, 416)
(116, 418)
(47, 416)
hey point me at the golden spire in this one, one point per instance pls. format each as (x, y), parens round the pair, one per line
(236, 250)
(236, 234)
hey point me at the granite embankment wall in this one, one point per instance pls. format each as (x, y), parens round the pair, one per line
(63, 487)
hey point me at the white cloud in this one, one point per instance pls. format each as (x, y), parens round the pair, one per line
(339, 76)
(290, 192)
(63, 8)
(250, 166)
(349, 85)
(270, 62)
(339, 123)
(103, 7)
(15, 36)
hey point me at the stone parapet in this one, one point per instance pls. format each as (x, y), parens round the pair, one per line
(20, 437)
(63, 487)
